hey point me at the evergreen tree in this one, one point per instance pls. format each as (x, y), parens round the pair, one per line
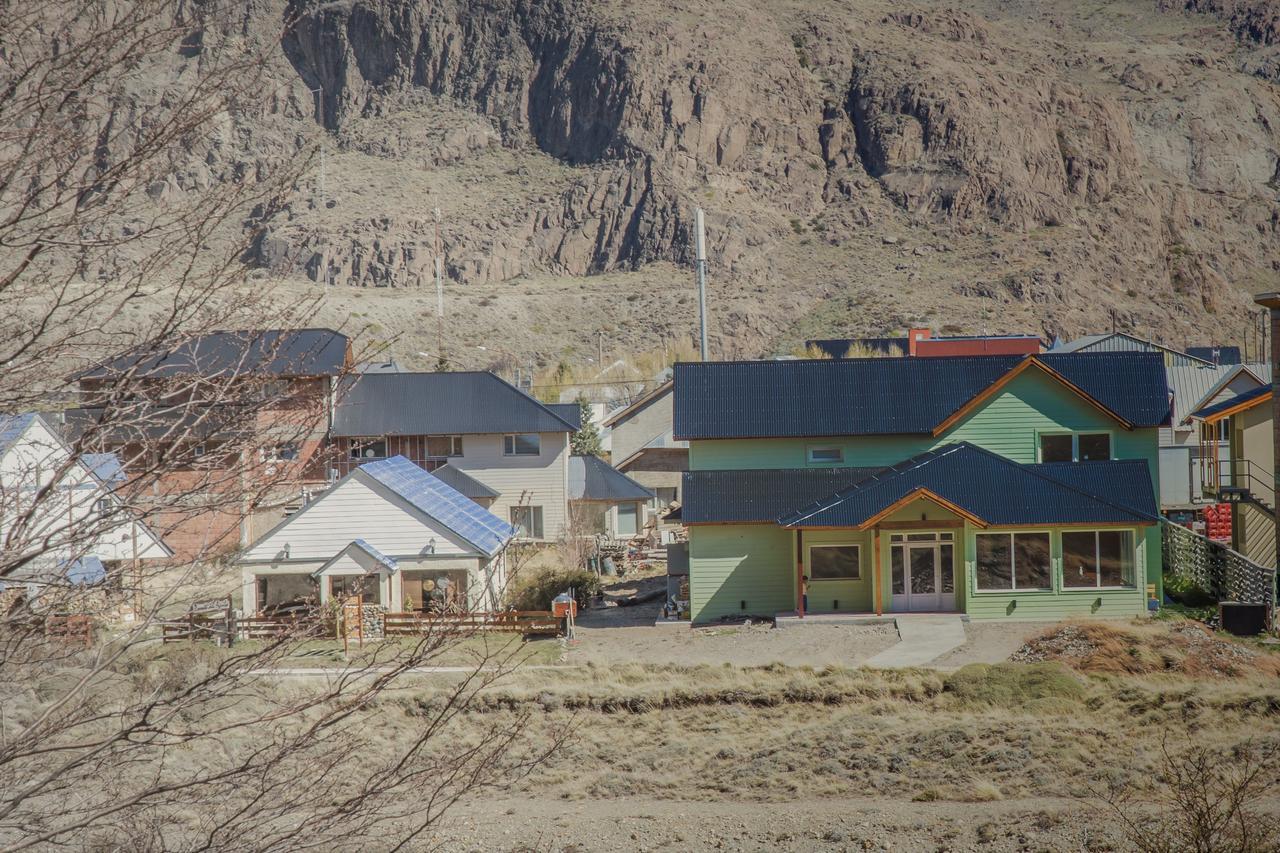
(586, 441)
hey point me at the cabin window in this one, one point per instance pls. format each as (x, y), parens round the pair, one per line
(826, 455)
(835, 563)
(528, 521)
(1095, 559)
(628, 519)
(370, 448)
(664, 497)
(198, 450)
(444, 445)
(343, 587)
(1075, 447)
(102, 506)
(1012, 561)
(522, 444)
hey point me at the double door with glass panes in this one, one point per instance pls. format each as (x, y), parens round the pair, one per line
(922, 571)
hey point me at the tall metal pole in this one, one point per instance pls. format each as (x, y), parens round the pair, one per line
(439, 270)
(700, 253)
(1271, 301)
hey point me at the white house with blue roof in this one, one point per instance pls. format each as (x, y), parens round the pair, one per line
(390, 532)
(61, 518)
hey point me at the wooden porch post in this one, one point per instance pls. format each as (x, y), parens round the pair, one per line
(1271, 301)
(876, 583)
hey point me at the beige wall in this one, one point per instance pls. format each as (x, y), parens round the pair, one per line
(642, 426)
(541, 480)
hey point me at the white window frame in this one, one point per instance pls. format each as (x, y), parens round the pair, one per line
(527, 531)
(809, 562)
(1097, 558)
(838, 460)
(1075, 442)
(359, 445)
(198, 451)
(455, 447)
(1013, 568)
(509, 447)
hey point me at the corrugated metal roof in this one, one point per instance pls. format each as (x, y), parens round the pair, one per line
(381, 558)
(458, 403)
(442, 502)
(1217, 354)
(1193, 385)
(638, 404)
(1125, 342)
(889, 396)
(994, 489)
(593, 479)
(570, 413)
(463, 482)
(273, 352)
(1257, 396)
(838, 347)
(759, 496)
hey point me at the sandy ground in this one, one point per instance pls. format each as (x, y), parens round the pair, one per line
(820, 824)
(627, 635)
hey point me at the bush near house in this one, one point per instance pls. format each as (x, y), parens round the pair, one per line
(539, 590)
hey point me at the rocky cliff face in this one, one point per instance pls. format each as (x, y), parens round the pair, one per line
(1030, 170)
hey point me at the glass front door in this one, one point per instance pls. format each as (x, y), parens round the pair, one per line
(922, 569)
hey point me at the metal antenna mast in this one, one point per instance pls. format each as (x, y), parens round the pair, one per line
(439, 270)
(700, 253)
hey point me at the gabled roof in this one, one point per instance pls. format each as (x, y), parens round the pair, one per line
(464, 482)
(988, 489)
(1194, 385)
(1235, 405)
(758, 495)
(378, 561)
(571, 413)
(270, 352)
(879, 396)
(593, 479)
(443, 403)
(432, 497)
(1124, 342)
(639, 403)
(12, 427)
(1217, 354)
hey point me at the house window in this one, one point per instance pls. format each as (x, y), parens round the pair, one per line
(835, 563)
(370, 448)
(826, 455)
(664, 497)
(1095, 559)
(1075, 447)
(444, 445)
(284, 452)
(347, 586)
(1012, 561)
(522, 444)
(102, 506)
(198, 450)
(528, 521)
(628, 519)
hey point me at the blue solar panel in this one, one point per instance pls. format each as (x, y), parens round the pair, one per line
(105, 466)
(375, 553)
(445, 504)
(12, 426)
(86, 570)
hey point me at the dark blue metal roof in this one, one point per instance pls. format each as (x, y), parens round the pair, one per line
(444, 403)
(995, 490)
(275, 352)
(890, 396)
(463, 482)
(1217, 355)
(1239, 399)
(759, 496)
(571, 413)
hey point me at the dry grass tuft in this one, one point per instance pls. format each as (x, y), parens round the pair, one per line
(1184, 648)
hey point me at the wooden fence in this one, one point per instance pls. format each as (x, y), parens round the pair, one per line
(527, 622)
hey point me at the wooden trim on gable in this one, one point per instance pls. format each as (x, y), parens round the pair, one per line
(1023, 366)
(921, 493)
(1238, 408)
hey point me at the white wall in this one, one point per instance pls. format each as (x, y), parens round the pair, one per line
(541, 480)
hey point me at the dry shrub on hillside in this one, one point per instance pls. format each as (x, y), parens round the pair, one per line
(1185, 648)
(1202, 800)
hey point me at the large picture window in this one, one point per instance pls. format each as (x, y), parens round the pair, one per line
(444, 445)
(1075, 447)
(522, 444)
(835, 563)
(1094, 559)
(528, 520)
(1012, 561)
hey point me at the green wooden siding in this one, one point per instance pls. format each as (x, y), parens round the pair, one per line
(842, 596)
(735, 563)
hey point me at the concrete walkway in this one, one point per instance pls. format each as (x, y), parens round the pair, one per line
(923, 637)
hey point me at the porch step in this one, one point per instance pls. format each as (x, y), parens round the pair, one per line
(922, 638)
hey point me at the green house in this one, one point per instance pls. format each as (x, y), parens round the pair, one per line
(1016, 487)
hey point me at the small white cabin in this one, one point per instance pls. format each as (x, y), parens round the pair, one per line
(389, 531)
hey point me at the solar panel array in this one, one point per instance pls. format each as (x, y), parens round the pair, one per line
(445, 504)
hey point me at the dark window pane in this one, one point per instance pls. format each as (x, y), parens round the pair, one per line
(1079, 560)
(922, 537)
(1055, 448)
(1031, 560)
(947, 555)
(1095, 447)
(924, 571)
(834, 563)
(992, 558)
(1115, 552)
(899, 572)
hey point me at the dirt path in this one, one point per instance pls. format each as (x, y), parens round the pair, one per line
(820, 824)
